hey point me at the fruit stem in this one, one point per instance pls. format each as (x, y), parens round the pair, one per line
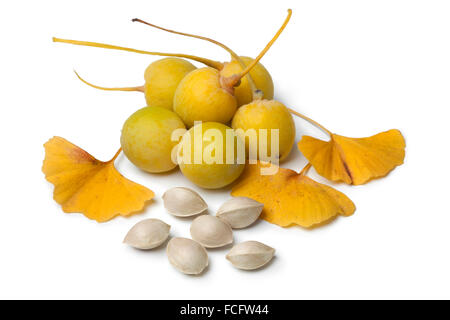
(235, 79)
(116, 155)
(298, 114)
(231, 52)
(257, 94)
(211, 63)
(305, 169)
(139, 88)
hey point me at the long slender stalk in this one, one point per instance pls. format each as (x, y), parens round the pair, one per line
(263, 52)
(211, 63)
(231, 52)
(298, 114)
(138, 88)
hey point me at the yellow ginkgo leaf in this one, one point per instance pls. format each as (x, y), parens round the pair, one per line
(89, 186)
(355, 160)
(291, 198)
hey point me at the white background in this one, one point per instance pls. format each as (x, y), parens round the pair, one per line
(358, 67)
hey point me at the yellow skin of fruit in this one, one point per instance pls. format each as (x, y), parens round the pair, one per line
(162, 78)
(260, 76)
(146, 138)
(199, 97)
(210, 175)
(267, 114)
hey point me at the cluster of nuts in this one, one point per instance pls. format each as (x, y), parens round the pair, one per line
(189, 255)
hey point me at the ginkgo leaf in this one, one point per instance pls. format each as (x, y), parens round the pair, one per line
(291, 198)
(355, 160)
(89, 186)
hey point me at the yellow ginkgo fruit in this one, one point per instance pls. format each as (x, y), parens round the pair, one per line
(89, 186)
(291, 198)
(355, 160)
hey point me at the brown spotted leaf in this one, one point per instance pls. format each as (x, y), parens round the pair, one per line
(355, 160)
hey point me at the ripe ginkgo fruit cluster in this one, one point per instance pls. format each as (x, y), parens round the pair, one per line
(178, 95)
(184, 105)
